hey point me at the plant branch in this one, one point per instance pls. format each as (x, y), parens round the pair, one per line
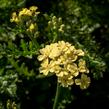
(58, 90)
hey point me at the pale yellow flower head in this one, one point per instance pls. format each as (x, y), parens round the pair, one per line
(65, 61)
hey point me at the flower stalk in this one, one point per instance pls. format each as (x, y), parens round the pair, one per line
(56, 100)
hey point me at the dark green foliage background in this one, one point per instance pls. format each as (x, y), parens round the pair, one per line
(86, 26)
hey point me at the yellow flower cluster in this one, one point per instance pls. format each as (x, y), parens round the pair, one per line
(24, 12)
(65, 61)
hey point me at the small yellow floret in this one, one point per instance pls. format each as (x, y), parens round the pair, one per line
(14, 18)
(24, 12)
(73, 69)
(82, 66)
(83, 82)
(66, 81)
(31, 27)
(33, 8)
(46, 67)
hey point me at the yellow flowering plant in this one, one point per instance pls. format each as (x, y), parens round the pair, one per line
(26, 23)
(26, 19)
(67, 63)
(39, 49)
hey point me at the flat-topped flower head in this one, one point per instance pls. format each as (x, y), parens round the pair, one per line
(65, 61)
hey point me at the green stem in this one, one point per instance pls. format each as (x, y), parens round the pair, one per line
(34, 41)
(58, 90)
(55, 36)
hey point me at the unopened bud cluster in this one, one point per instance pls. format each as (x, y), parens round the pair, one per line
(66, 62)
(56, 24)
(11, 105)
